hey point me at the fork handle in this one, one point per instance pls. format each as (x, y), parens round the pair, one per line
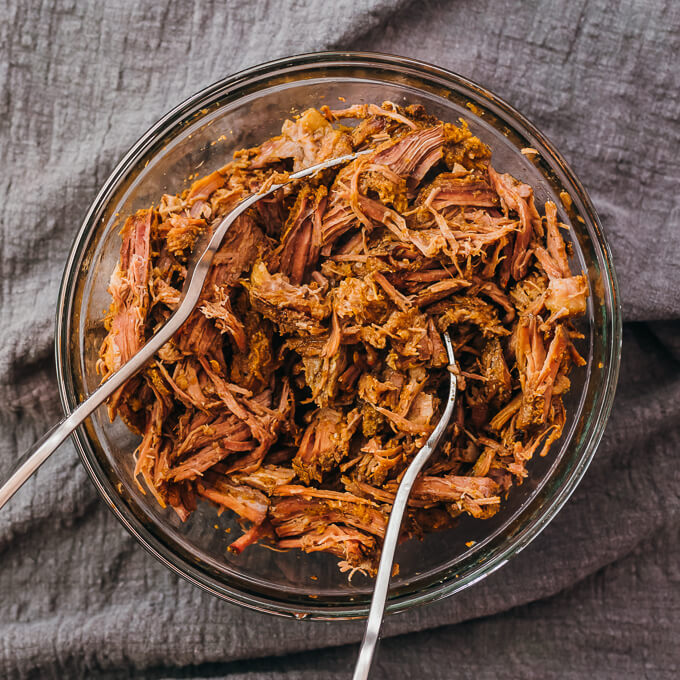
(32, 459)
(37, 454)
(382, 579)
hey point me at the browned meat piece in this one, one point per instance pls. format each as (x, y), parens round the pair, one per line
(482, 465)
(324, 443)
(424, 276)
(422, 411)
(312, 492)
(462, 148)
(448, 190)
(567, 297)
(478, 496)
(271, 214)
(182, 233)
(454, 488)
(256, 413)
(519, 198)
(267, 478)
(439, 291)
(163, 292)
(359, 300)
(401, 400)
(413, 155)
(207, 433)
(253, 368)
(258, 532)
(338, 218)
(148, 452)
(419, 424)
(380, 461)
(553, 259)
(490, 290)
(400, 300)
(528, 295)
(367, 129)
(294, 309)
(225, 319)
(182, 499)
(245, 501)
(309, 140)
(129, 288)
(301, 240)
(356, 548)
(538, 370)
(313, 367)
(378, 392)
(208, 456)
(409, 335)
(202, 188)
(461, 309)
(295, 515)
(387, 185)
(498, 386)
(504, 415)
(222, 201)
(185, 384)
(241, 245)
(322, 371)
(388, 111)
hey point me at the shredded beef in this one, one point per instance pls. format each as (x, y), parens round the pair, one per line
(311, 372)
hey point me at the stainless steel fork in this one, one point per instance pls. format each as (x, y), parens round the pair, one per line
(382, 579)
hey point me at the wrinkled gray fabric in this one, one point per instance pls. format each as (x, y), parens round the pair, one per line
(598, 593)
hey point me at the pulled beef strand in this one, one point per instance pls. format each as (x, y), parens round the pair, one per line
(309, 374)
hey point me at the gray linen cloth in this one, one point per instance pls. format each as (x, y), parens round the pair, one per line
(597, 595)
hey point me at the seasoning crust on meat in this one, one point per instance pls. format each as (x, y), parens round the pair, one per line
(310, 373)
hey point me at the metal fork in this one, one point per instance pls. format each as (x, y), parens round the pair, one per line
(382, 580)
(30, 461)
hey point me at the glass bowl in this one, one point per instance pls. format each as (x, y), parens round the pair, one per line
(200, 136)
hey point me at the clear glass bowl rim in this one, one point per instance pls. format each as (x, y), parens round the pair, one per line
(441, 589)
